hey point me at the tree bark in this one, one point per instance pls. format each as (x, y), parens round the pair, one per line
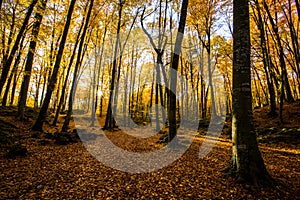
(110, 122)
(64, 88)
(8, 62)
(266, 62)
(38, 125)
(13, 74)
(174, 66)
(77, 65)
(247, 163)
(284, 77)
(30, 57)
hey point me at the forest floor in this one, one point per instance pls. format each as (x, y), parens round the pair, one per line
(49, 170)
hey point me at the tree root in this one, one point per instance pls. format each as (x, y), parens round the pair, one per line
(254, 178)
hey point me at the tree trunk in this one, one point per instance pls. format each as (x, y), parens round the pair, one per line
(38, 125)
(8, 62)
(6, 48)
(266, 62)
(247, 164)
(284, 77)
(64, 88)
(77, 65)
(175, 62)
(15, 81)
(159, 50)
(13, 74)
(110, 122)
(29, 60)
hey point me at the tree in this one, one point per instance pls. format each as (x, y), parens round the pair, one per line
(265, 58)
(77, 66)
(64, 87)
(174, 66)
(208, 9)
(159, 49)
(29, 60)
(110, 122)
(7, 63)
(247, 164)
(284, 82)
(38, 125)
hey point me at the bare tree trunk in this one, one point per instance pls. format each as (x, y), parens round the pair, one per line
(266, 62)
(30, 57)
(15, 83)
(64, 87)
(13, 74)
(8, 62)
(38, 125)
(6, 48)
(284, 77)
(110, 122)
(37, 92)
(247, 164)
(173, 81)
(77, 65)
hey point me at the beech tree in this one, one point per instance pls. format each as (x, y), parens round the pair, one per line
(7, 62)
(175, 62)
(38, 125)
(159, 49)
(30, 58)
(247, 164)
(265, 57)
(77, 65)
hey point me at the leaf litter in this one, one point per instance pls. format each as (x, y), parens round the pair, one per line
(54, 171)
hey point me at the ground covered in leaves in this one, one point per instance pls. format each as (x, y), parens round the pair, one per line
(46, 169)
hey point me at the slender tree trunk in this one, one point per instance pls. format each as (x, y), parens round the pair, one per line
(30, 57)
(15, 82)
(38, 125)
(64, 88)
(210, 73)
(261, 86)
(259, 103)
(98, 77)
(8, 62)
(281, 55)
(37, 93)
(110, 123)
(6, 48)
(45, 71)
(173, 81)
(94, 89)
(77, 65)
(13, 74)
(181, 85)
(151, 96)
(133, 69)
